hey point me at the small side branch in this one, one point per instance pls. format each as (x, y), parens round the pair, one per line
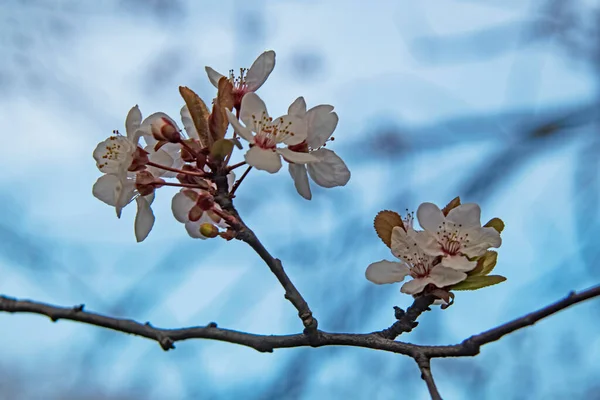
(407, 321)
(425, 367)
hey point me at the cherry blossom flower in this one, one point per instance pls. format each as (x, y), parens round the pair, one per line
(264, 153)
(456, 236)
(249, 80)
(193, 207)
(413, 262)
(330, 170)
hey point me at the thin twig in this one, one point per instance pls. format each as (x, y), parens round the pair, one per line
(180, 171)
(425, 366)
(239, 181)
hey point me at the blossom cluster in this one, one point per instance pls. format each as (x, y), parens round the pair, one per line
(449, 253)
(200, 157)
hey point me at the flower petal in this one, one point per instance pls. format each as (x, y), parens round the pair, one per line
(294, 132)
(213, 76)
(133, 122)
(481, 239)
(300, 177)
(193, 229)
(241, 130)
(159, 157)
(468, 215)
(266, 160)
(114, 190)
(321, 123)
(441, 276)
(298, 108)
(458, 263)
(428, 243)
(144, 219)
(330, 171)
(253, 110)
(181, 206)
(430, 217)
(260, 70)
(230, 180)
(188, 123)
(297, 157)
(404, 246)
(386, 272)
(415, 286)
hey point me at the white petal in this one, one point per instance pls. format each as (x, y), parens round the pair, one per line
(193, 229)
(213, 76)
(300, 177)
(428, 243)
(330, 171)
(159, 157)
(297, 157)
(181, 206)
(415, 286)
(298, 108)
(105, 188)
(295, 128)
(239, 128)
(458, 263)
(260, 70)
(114, 155)
(321, 124)
(468, 215)
(386, 272)
(133, 122)
(480, 239)
(266, 160)
(144, 219)
(404, 245)
(188, 123)
(441, 276)
(230, 180)
(430, 217)
(253, 110)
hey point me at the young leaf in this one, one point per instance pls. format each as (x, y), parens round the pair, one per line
(384, 223)
(453, 204)
(495, 223)
(199, 113)
(221, 149)
(478, 282)
(218, 119)
(485, 264)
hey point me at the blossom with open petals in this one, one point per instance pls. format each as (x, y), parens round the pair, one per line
(264, 153)
(330, 170)
(456, 236)
(413, 262)
(249, 80)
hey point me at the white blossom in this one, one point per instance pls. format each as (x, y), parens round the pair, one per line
(185, 210)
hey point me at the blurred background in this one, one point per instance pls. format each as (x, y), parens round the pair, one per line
(496, 101)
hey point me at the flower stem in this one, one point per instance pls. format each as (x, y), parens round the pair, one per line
(187, 185)
(234, 166)
(191, 173)
(239, 181)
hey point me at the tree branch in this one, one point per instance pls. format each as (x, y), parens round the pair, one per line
(425, 367)
(407, 321)
(267, 343)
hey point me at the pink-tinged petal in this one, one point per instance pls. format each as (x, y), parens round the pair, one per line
(181, 206)
(188, 123)
(300, 177)
(155, 119)
(458, 263)
(266, 160)
(321, 124)
(468, 215)
(298, 108)
(241, 130)
(441, 276)
(386, 272)
(253, 110)
(415, 286)
(480, 239)
(144, 219)
(260, 70)
(330, 171)
(193, 229)
(133, 122)
(294, 130)
(297, 157)
(430, 217)
(213, 76)
(428, 243)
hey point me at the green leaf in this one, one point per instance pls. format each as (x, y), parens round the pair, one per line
(495, 223)
(485, 264)
(221, 149)
(478, 282)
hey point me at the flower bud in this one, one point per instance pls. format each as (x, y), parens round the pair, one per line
(209, 230)
(164, 130)
(205, 201)
(144, 182)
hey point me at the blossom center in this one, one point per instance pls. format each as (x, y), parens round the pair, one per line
(420, 269)
(269, 132)
(240, 87)
(450, 238)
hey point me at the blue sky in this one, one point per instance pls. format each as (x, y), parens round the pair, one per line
(371, 62)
